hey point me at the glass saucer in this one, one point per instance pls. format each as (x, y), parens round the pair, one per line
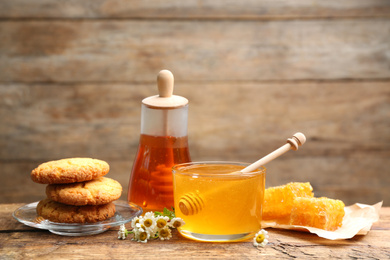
(125, 212)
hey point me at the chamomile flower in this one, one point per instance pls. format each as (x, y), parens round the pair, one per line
(261, 238)
(122, 233)
(162, 222)
(152, 226)
(141, 235)
(176, 222)
(165, 233)
(149, 223)
(135, 221)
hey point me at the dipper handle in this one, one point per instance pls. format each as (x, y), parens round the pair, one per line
(293, 143)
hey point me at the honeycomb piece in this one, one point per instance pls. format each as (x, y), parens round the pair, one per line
(323, 213)
(278, 201)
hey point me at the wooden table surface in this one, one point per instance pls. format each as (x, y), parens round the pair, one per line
(18, 241)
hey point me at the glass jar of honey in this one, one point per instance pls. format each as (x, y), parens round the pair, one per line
(163, 144)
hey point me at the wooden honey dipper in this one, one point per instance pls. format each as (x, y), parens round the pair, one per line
(192, 203)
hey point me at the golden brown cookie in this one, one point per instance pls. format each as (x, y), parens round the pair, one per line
(95, 192)
(62, 213)
(69, 171)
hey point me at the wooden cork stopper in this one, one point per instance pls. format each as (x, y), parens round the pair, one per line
(165, 97)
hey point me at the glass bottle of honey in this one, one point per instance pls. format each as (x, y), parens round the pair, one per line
(163, 143)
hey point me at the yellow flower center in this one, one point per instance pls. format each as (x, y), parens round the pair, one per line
(148, 222)
(143, 227)
(260, 238)
(161, 223)
(164, 233)
(143, 236)
(176, 224)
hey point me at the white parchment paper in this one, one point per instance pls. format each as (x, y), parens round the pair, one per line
(358, 220)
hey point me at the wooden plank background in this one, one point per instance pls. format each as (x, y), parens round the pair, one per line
(73, 74)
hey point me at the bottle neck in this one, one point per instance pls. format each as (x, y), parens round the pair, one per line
(164, 121)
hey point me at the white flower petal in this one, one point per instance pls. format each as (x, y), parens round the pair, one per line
(264, 233)
(134, 221)
(149, 214)
(179, 222)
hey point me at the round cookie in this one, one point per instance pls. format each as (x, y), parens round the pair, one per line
(95, 192)
(69, 170)
(62, 213)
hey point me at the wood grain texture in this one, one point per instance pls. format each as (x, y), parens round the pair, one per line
(242, 122)
(44, 246)
(21, 242)
(253, 117)
(73, 74)
(191, 9)
(110, 50)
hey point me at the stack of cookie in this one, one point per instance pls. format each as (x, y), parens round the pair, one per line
(76, 192)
